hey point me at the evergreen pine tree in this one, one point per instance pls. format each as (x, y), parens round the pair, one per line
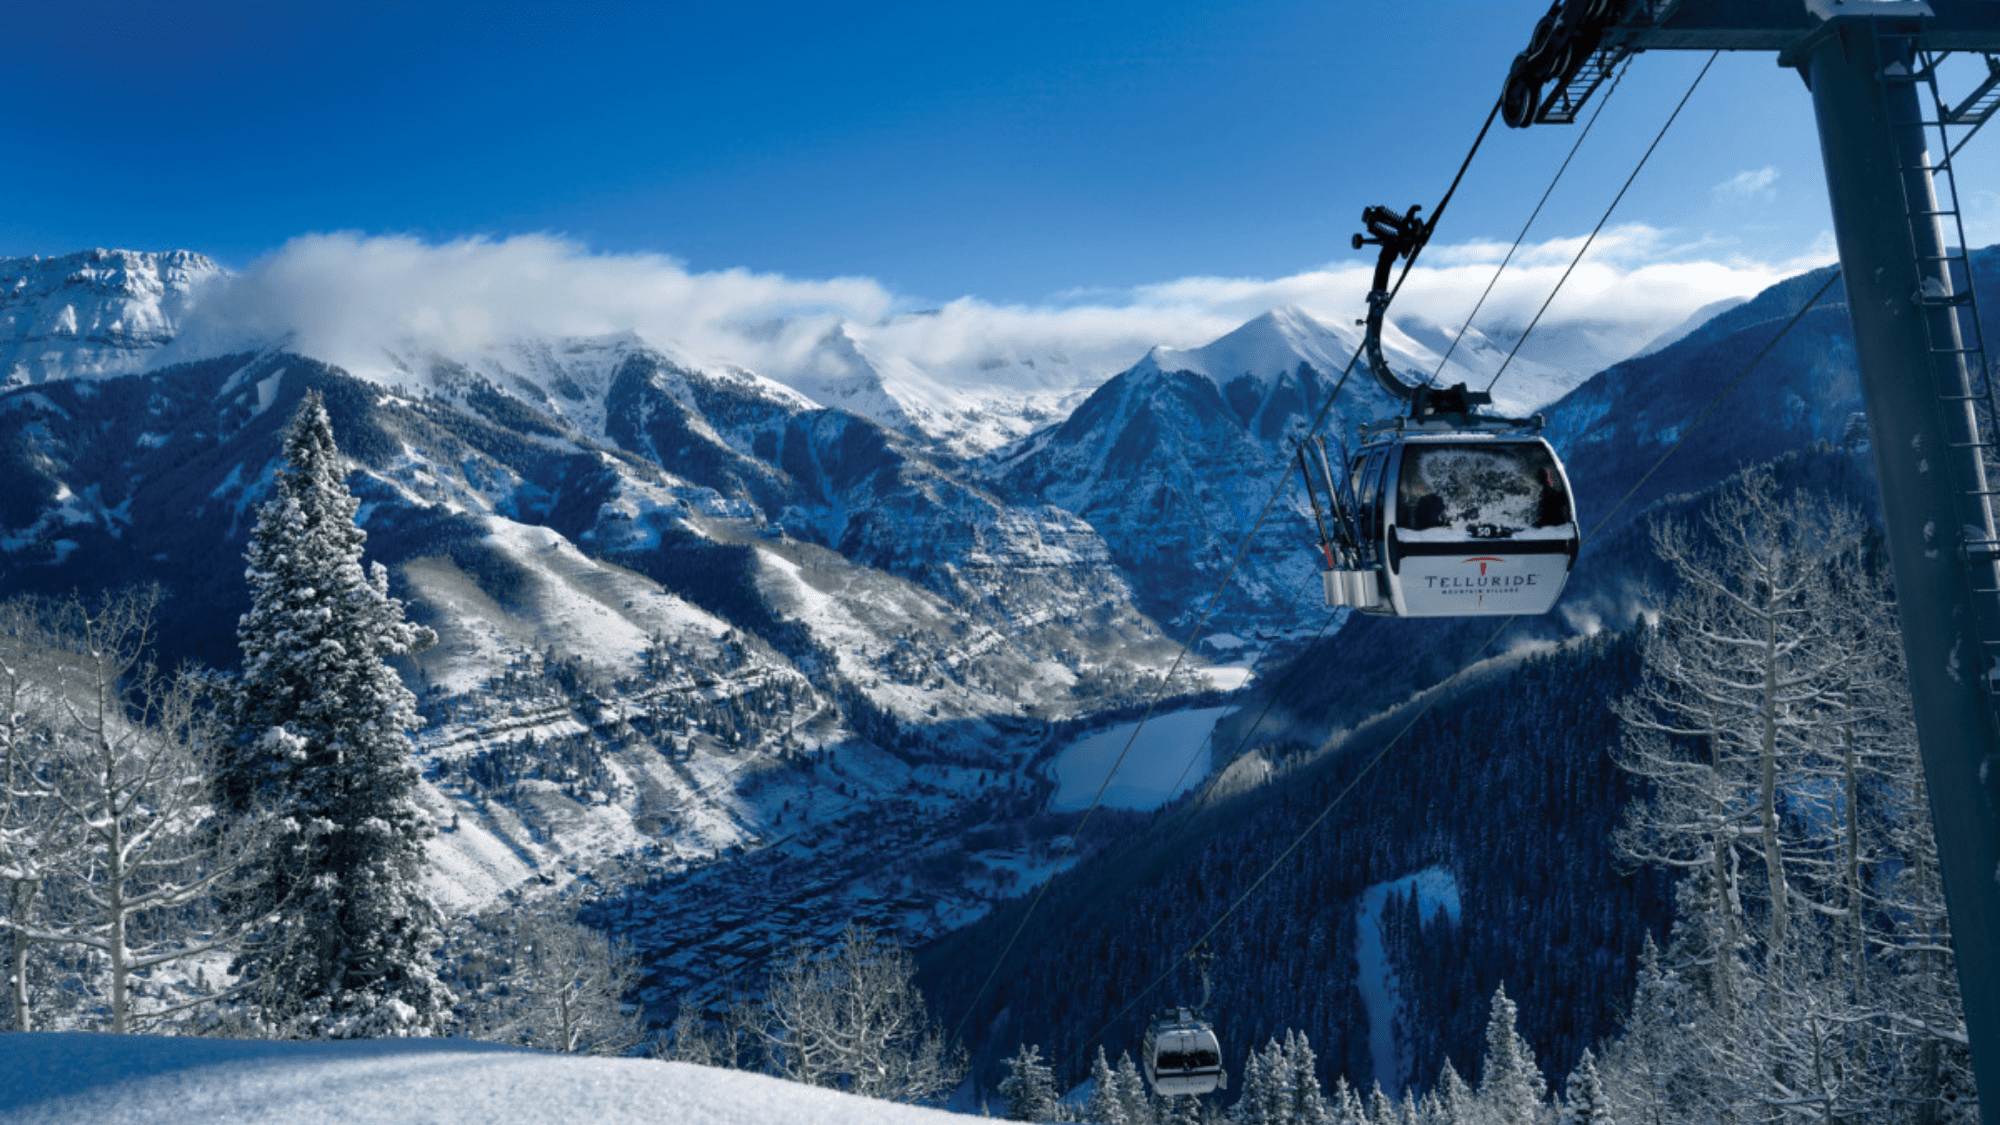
(1381, 1111)
(1587, 1104)
(1306, 1105)
(1105, 1107)
(1180, 1109)
(1253, 1105)
(1454, 1097)
(1132, 1095)
(1345, 1107)
(1030, 1086)
(321, 736)
(1511, 1089)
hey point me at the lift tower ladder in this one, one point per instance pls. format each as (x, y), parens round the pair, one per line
(1947, 297)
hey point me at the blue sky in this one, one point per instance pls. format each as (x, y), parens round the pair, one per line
(1011, 151)
(1065, 179)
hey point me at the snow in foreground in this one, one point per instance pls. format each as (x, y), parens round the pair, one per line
(116, 1079)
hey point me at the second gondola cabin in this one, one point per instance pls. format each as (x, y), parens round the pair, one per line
(1183, 1055)
(1457, 520)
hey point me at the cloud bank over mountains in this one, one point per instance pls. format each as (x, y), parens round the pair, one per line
(352, 299)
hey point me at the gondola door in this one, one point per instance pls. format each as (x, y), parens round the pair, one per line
(1478, 528)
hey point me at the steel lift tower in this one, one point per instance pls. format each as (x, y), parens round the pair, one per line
(1871, 67)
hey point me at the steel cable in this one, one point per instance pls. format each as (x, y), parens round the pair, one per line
(1532, 216)
(1585, 249)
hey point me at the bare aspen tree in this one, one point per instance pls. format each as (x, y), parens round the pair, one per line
(131, 777)
(554, 983)
(689, 1040)
(1772, 730)
(32, 831)
(117, 853)
(855, 1021)
(1739, 674)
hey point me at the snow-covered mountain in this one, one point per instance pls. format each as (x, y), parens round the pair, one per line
(100, 312)
(690, 611)
(683, 613)
(846, 371)
(1695, 320)
(1175, 460)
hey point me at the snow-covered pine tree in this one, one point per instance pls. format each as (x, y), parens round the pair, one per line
(1030, 1086)
(1281, 1086)
(1180, 1109)
(1344, 1107)
(1104, 1107)
(321, 737)
(1266, 1097)
(1132, 1095)
(1381, 1111)
(1511, 1089)
(1455, 1103)
(1307, 1106)
(1586, 1103)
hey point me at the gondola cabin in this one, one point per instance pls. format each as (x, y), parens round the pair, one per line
(1182, 1055)
(1455, 522)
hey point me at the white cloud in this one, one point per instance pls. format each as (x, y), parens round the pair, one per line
(1746, 186)
(345, 298)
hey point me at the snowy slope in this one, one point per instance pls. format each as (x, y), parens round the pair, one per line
(569, 380)
(60, 1079)
(739, 625)
(1267, 346)
(100, 312)
(1695, 320)
(965, 415)
(1174, 460)
(1436, 893)
(1548, 366)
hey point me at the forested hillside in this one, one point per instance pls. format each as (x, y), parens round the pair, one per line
(1509, 786)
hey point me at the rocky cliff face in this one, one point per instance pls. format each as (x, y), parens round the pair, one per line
(100, 312)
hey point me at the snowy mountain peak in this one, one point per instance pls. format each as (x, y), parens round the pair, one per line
(97, 312)
(1263, 348)
(838, 372)
(571, 377)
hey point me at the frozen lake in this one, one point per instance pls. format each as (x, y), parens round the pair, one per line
(1171, 754)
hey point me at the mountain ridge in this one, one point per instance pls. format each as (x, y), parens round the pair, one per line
(92, 313)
